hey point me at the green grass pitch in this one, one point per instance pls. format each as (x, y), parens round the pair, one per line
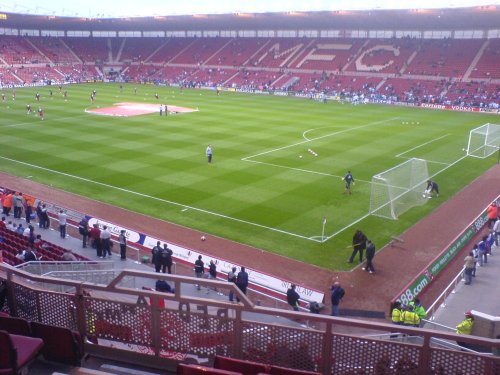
(264, 187)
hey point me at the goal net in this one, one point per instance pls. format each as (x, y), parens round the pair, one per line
(398, 189)
(484, 141)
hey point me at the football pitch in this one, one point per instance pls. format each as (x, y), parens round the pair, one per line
(277, 161)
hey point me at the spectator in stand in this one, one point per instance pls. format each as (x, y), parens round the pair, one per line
(28, 211)
(38, 242)
(29, 255)
(492, 212)
(212, 272)
(231, 277)
(199, 270)
(17, 204)
(11, 226)
(95, 237)
(62, 223)
(292, 297)
(156, 256)
(7, 203)
(167, 260)
(242, 281)
(20, 229)
(68, 256)
(39, 213)
(496, 230)
(83, 229)
(482, 251)
(45, 220)
(337, 293)
(105, 237)
(2, 223)
(122, 240)
(469, 268)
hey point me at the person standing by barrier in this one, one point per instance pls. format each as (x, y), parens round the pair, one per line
(492, 212)
(155, 256)
(465, 328)
(292, 297)
(419, 309)
(242, 281)
(469, 268)
(397, 313)
(166, 259)
(410, 318)
(231, 277)
(199, 270)
(122, 240)
(337, 293)
(63, 218)
(83, 229)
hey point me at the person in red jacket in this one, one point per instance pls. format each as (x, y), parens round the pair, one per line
(95, 237)
(492, 212)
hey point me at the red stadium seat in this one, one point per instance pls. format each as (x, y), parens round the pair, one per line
(60, 344)
(15, 326)
(245, 367)
(277, 370)
(183, 369)
(17, 352)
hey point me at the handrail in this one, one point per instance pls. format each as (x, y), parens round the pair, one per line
(441, 299)
(437, 324)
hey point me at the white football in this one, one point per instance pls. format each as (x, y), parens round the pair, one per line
(203, 238)
(423, 195)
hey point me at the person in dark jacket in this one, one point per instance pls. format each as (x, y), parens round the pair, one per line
(166, 259)
(292, 297)
(242, 281)
(358, 245)
(370, 254)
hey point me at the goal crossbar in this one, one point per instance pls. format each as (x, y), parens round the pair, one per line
(399, 188)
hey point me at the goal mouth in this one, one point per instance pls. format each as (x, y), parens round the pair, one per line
(483, 141)
(398, 189)
(136, 109)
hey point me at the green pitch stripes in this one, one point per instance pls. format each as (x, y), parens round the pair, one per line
(264, 188)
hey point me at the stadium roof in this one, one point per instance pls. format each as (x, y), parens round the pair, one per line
(150, 8)
(479, 17)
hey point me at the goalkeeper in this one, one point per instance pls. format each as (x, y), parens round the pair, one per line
(432, 187)
(349, 180)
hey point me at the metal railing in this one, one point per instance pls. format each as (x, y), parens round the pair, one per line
(135, 325)
(441, 299)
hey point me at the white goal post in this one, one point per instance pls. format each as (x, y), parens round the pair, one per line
(483, 141)
(398, 189)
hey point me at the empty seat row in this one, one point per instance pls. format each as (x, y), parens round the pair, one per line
(59, 344)
(232, 366)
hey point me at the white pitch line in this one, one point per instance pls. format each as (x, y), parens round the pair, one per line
(159, 199)
(422, 145)
(368, 214)
(38, 123)
(321, 137)
(299, 169)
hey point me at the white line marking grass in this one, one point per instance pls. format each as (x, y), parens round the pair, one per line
(422, 145)
(159, 199)
(321, 137)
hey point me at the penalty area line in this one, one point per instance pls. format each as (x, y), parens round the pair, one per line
(159, 199)
(422, 145)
